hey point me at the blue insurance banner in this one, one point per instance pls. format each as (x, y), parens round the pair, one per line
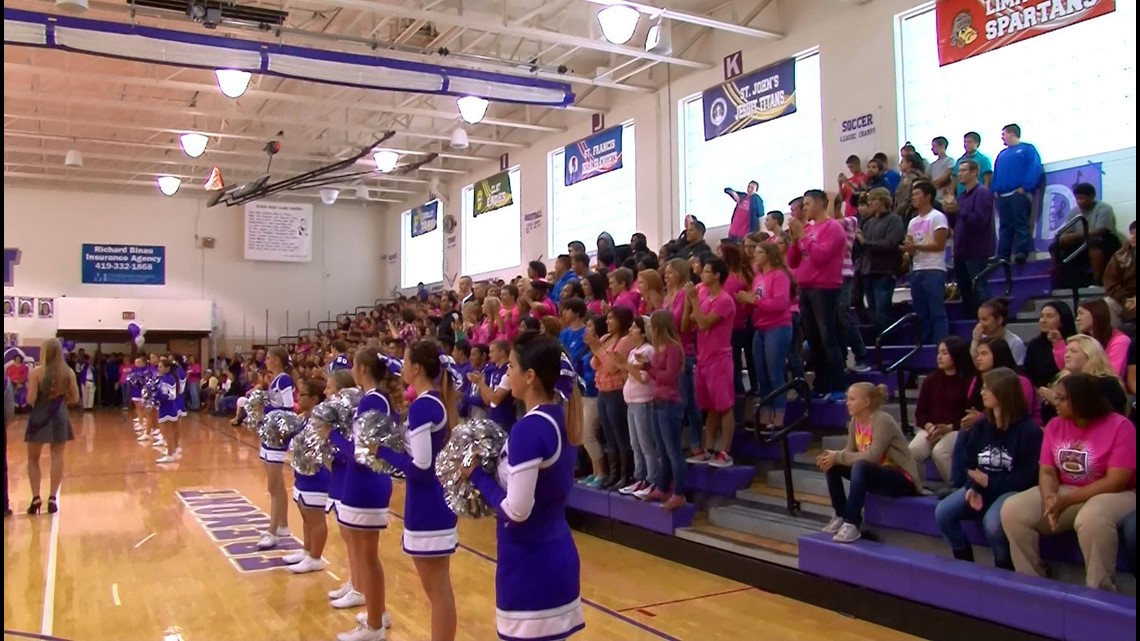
(425, 218)
(593, 156)
(755, 97)
(124, 264)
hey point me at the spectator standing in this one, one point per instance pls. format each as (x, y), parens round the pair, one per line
(1017, 173)
(747, 213)
(941, 169)
(974, 238)
(850, 185)
(880, 237)
(927, 234)
(970, 143)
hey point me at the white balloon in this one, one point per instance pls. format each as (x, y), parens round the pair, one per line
(139, 340)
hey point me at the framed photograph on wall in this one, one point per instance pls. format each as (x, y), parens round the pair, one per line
(25, 307)
(45, 307)
(9, 306)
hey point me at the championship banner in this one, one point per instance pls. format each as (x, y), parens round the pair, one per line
(756, 97)
(493, 193)
(593, 156)
(967, 28)
(425, 218)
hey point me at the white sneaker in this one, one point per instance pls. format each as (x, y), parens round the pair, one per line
(143, 437)
(159, 444)
(632, 487)
(282, 532)
(267, 541)
(353, 599)
(308, 564)
(168, 458)
(847, 534)
(296, 557)
(645, 491)
(833, 525)
(341, 591)
(363, 633)
(385, 620)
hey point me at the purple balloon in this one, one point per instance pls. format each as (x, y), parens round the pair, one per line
(68, 345)
(133, 330)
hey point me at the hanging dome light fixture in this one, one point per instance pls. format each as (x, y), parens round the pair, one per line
(169, 185)
(385, 160)
(618, 22)
(472, 108)
(232, 82)
(194, 144)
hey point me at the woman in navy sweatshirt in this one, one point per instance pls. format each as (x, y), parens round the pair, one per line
(1001, 454)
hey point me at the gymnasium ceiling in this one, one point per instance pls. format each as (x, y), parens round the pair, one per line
(125, 117)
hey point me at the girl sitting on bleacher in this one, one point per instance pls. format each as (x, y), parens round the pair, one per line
(1001, 453)
(1087, 483)
(942, 402)
(876, 460)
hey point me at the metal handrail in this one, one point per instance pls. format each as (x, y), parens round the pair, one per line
(897, 366)
(804, 390)
(994, 264)
(325, 325)
(367, 309)
(1081, 249)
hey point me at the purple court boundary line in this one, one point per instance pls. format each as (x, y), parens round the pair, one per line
(486, 557)
(33, 635)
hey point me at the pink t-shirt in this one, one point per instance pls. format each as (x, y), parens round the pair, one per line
(741, 218)
(716, 341)
(732, 285)
(1117, 350)
(817, 259)
(773, 306)
(688, 339)
(594, 307)
(511, 318)
(1083, 456)
(628, 299)
(636, 391)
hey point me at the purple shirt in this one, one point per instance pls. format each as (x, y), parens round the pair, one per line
(974, 236)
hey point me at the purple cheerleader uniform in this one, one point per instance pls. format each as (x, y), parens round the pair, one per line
(504, 413)
(279, 397)
(364, 495)
(137, 376)
(180, 400)
(535, 547)
(429, 525)
(312, 490)
(167, 392)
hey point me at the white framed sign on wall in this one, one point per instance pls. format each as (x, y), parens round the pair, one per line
(281, 232)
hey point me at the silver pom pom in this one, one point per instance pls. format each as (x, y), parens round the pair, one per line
(278, 427)
(311, 451)
(371, 430)
(255, 410)
(480, 439)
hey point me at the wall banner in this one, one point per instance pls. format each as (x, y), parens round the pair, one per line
(425, 218)
(967, 28)
(123, 264)
(593, 156)
(751, 99)
(281, 232)
(493, 193)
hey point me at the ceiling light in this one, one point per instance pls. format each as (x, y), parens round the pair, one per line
(658, 40)
(362, 193)
(73, 158)
(194, 144)
(618, 22)
(472, 108)
(71, 6)
(459, 138)
(386, 160)
(233, 82)
(328, 195)
(169, 185)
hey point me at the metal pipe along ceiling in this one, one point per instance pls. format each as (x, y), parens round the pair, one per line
(184, 49)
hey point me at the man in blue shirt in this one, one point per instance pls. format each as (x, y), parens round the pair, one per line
(563, 275)
(970, 142)
(1017, 174)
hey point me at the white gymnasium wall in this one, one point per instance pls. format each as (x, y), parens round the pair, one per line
(49, 227)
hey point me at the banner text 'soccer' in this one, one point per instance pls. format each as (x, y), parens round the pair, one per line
(593, 156)
(967, 28)
(493, 193)
(425, 218)
(751, 99)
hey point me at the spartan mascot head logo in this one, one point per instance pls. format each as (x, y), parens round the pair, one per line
(962, 32)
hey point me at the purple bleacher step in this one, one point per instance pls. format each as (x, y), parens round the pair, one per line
(587, 499)
(1113, 615)
(651, 516)
(722, 481)
(746, 447)
(916, 514)
(924, 360)
(824, 415)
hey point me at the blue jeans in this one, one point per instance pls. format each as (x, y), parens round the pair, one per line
(770, 351)
(1014, 236)
(195, 393)
(880, 290)
(689, 410)
(796, 354)
(819, 309)
(1128, 537)
(966, 270)
(615, 427)
(849, 336)
(953, 509)
(125, 389)
(642, 442)
(670, 453)
(865, 477)
(928, 298)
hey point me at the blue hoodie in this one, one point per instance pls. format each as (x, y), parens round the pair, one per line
(1017, 166)
(1008, 457)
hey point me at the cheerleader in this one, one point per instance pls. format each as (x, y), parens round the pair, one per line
(311, 494)
(151, 413)
(136, 379)
(430, 535)
(362, 509)
(168, 411)
(279, 397)
(180, 374)
(345, 596)
(536, 467)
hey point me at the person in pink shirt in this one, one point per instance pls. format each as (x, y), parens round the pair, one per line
(1086, 482)
(665, 371)
(677, 275)
(541, 305)
(739, 280)
(621, 288)
(712, 314)
(1095, 319)
(510, 312)
(595, 287)
(749, 208)
(651, 286)
(816, 259)
(771, 302)
(848, 185)
(491, 327)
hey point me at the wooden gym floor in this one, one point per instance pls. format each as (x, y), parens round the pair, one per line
(129, 557)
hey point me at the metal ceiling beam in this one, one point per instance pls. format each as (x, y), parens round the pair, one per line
(173, 109)
(88, 75)
(492, 25)
(697, 19)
